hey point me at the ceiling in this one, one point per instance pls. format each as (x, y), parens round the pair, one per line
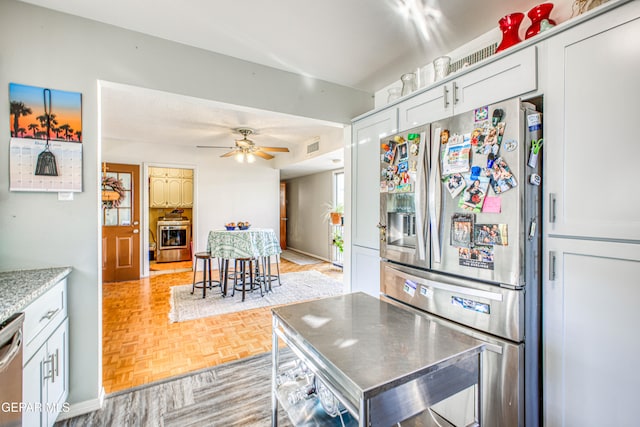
(363, 44)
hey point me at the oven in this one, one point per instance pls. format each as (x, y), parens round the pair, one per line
(174, 239)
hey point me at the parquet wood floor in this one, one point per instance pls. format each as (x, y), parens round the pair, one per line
(141, 346)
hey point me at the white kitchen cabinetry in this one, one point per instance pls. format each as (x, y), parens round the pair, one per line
(45, 357)
(591, 342)
(591, 128)
(170, 188)
(365, 197)
(505, 78)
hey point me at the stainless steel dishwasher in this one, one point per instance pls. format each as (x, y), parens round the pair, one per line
(11, 371)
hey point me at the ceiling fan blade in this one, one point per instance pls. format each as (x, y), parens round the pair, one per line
(214, 146)
(263, 155)
(275, 149)
(229, 154)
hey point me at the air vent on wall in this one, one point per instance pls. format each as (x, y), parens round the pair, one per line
(313, 147)
(474, 57)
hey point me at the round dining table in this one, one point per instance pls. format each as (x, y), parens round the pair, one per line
(253, 243)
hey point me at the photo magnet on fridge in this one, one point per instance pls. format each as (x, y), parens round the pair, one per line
(500, 176)
(490, 234)
(455, 184)
(476, 257)
(473, 196)
(462, 229)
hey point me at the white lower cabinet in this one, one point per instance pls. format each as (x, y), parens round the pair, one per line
(45, 378)
(365, 270)
(590, 333)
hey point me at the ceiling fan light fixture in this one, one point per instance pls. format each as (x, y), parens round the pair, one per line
(240, 156)
(251, 158)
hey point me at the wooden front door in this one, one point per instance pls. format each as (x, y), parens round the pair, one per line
(121, 227)
(283, 216)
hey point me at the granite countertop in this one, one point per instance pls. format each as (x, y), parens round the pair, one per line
(20, 287)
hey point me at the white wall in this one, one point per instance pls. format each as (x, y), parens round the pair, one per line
(224, 190)
(43, 48)
(307, 229)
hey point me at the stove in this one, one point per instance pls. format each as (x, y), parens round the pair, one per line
(174, 239)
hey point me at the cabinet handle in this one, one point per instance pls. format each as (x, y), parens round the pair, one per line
(552, 266)
(552, 207)
(56, 367)
(49, 314)
(455, 93)
(444, 96)
(47, 365)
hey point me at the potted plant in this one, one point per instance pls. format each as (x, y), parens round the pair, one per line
(338, 241)
(333, 214)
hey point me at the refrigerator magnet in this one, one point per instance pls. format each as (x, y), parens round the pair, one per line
(403, 166)
(403, 151)
(510, 144)
(476, 257)
(481, 114)
(473, 196)
(384, 187)
(455, 184)
(414, 149)
(500, 176)
(462, 229)
(444, 136)
(497, 116)
(490, 234)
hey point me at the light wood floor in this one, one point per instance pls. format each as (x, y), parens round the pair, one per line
(141, 346)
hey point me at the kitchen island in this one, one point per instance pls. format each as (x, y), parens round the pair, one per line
(366, 362)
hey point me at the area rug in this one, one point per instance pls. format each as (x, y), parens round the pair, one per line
(297, 286)
(299, 258)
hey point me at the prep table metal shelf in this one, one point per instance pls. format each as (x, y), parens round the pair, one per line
(383, 363)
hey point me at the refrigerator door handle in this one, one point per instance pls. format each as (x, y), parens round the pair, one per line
(419, 197)
(433, 185)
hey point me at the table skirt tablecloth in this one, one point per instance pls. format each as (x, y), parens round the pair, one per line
(235, 244)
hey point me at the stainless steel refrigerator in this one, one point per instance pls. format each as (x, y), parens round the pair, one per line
(460, 239)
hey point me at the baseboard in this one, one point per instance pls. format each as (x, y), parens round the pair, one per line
(308, 254)
(84, 407)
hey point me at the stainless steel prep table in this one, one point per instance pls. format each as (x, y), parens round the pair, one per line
(385, 364)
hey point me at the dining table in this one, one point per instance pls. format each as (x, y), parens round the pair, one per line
(252, 243)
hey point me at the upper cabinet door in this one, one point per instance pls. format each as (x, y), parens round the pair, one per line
(591, 147)
(366, 134)
(426, 107)
(506, 78)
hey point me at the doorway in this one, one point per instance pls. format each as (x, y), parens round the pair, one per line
(120, 222)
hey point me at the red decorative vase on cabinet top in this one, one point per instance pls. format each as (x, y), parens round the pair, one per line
(510, 25)
(537, 14)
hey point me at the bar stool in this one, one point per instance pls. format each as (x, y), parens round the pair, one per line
(266, 277)
(205, 283)
(244, 267)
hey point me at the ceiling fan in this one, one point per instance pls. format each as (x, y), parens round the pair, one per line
(246, 148)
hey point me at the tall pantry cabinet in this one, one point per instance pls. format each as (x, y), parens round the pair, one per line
(592, 222)
(365, 197)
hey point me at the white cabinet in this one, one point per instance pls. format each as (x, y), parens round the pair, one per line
(591, 343)
(504, 78)
(365, 198)
(591, 127)
(366, 134)
(45, 357)
(170, 188)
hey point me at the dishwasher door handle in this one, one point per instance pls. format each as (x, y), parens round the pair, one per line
(12, 351)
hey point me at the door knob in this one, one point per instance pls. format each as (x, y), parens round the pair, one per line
(136, 231)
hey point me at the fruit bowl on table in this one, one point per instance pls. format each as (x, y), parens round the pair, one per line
(230, 226)
(244, 225)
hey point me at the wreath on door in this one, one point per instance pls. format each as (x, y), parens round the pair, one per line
(113, 192)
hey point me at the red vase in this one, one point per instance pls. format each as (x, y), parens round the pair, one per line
(510, 25)
(537, 14)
